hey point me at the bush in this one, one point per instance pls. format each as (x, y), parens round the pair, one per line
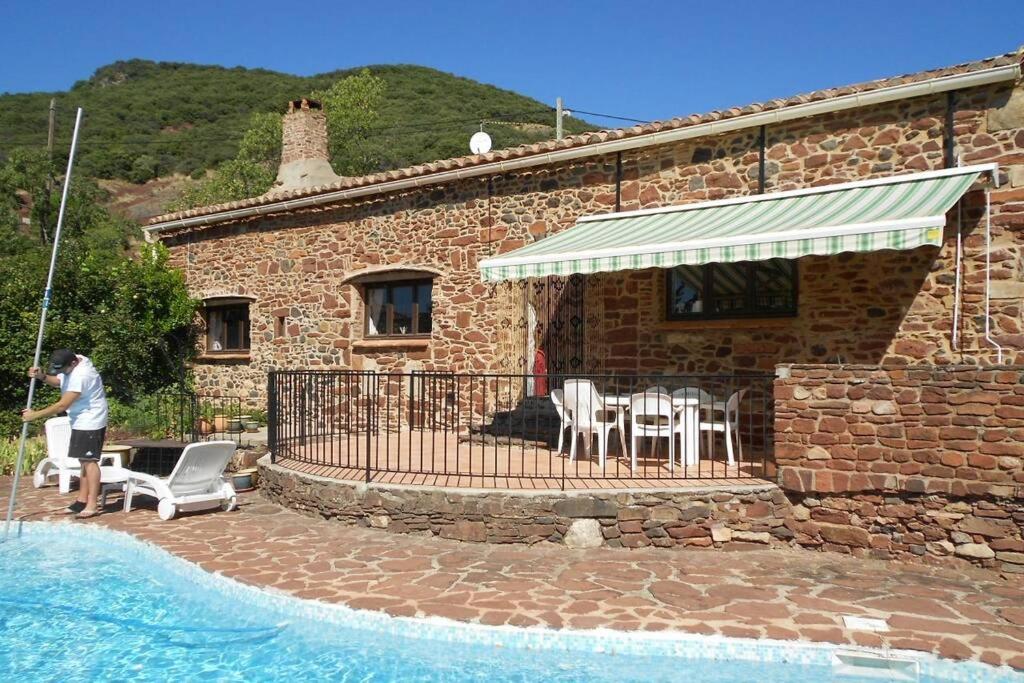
(35, 451)
(158, 416)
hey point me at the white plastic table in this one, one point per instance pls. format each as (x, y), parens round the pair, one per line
(688, 407)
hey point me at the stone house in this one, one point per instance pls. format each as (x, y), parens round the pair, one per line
(289, 278)
(893, 323)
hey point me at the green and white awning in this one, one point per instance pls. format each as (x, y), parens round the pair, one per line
(900, 212)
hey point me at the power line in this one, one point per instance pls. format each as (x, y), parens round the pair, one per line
(609, 116)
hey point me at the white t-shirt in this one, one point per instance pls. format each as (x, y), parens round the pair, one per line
(89, 411)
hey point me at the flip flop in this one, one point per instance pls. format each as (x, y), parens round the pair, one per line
(75, 507)
(87, 515)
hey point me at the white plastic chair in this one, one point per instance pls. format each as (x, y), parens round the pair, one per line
(728, 425)
(705, 397)
(196, 481)
(57, 463)
(589, 416)
(564, 416)
(651, 414)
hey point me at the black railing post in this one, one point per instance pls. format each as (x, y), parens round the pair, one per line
(371, 377)
(272, 416)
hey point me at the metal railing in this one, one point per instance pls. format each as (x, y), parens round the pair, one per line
(185, 417)
(503, 430)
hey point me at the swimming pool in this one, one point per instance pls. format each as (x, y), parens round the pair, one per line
(81, 603)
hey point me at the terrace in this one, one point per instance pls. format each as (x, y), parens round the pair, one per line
(516, 431)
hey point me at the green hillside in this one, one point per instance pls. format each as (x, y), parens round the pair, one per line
(145, 119)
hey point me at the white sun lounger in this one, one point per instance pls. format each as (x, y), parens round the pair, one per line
(197, 481)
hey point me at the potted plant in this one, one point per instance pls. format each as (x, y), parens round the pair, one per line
(244, 479)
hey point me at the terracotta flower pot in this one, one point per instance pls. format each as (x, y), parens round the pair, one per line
(220, 423)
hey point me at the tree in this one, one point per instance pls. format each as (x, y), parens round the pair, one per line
(32, 171)
(249, 174)
(134, 317)
(352, 106)
(352, 109)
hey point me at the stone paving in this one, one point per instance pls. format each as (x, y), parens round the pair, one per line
(782, 594)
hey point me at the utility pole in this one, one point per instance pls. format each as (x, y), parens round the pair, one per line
(558, 118)
(49, 134)
(44, 215)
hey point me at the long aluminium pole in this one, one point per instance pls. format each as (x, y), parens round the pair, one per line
(42, 323)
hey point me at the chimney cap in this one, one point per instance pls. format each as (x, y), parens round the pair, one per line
(304, 103)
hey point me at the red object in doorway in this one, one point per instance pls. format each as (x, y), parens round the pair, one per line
(540, 371)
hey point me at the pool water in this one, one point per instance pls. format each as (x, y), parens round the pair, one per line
(81, 603)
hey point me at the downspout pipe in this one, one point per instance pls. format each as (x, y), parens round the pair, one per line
(894, 93)
(959, 261)
(988, 276)
(959, 271)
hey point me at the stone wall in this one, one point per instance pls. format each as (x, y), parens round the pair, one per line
(300, 266)
(937, 529)
(751, 515)
(905, 461)
(922, 528)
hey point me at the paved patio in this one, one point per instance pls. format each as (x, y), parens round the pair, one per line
(961, 614)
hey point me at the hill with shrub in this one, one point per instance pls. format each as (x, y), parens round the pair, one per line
(145, 120)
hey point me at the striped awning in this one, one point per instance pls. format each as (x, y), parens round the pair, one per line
(899, 212)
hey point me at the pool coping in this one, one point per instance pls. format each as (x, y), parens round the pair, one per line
(668, 643)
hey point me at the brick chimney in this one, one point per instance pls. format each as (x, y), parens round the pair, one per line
(304, 147)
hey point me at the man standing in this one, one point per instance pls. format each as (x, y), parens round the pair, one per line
(85, 401)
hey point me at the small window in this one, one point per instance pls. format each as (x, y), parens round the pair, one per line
(748, 289)
(227, 327)
(400, 308)
(279, 326)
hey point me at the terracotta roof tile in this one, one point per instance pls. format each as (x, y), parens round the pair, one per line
(594, 137)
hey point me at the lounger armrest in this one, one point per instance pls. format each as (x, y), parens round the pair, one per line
(149, 484)
(144, 478)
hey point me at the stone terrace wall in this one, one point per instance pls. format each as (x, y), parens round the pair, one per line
(743, 516)
(295, 265)
(905, 461)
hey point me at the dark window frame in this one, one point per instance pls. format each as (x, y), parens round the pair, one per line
(241, 320)
(389, 286)
(750, 310)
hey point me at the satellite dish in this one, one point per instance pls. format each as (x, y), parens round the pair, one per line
(480, 143)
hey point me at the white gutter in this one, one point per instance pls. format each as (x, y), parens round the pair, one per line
(863, 99)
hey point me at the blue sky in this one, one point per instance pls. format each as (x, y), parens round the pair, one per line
(648, 60)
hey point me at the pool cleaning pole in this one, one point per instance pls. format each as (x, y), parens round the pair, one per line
(42, 323)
